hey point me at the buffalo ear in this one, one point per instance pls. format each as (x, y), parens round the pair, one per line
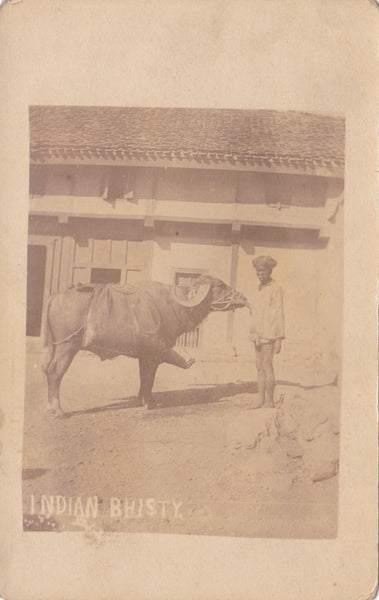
(192, 296)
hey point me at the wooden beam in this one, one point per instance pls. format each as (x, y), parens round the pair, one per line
(174, 219)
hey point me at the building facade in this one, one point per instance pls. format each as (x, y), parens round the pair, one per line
(126, 194)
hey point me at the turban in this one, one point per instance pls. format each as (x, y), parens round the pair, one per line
(264, 262)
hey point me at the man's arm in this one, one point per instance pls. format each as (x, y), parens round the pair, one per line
(279, 318)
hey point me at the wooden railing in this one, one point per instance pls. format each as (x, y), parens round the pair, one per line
(189, 339)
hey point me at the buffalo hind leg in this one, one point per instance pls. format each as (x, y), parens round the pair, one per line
(60, 362)
(147, 370)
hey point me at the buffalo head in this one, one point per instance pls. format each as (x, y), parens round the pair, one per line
(211, 291)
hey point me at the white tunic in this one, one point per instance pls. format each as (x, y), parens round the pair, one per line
(267, 313)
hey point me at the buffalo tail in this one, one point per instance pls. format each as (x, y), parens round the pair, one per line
(48, 346)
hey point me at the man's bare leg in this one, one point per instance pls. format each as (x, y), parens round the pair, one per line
(267, 359)
(261, 375)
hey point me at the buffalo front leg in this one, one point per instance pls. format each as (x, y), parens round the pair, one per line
(147, 370)
(62, 358)
(173, 358)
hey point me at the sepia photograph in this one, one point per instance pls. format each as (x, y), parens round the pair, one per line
(188, 269)
(184, 321)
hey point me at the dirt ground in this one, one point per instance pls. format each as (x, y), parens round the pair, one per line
(205, 461)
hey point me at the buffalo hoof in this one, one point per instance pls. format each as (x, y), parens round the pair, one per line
(190, 362)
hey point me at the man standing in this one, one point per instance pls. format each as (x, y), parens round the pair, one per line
(267, 328)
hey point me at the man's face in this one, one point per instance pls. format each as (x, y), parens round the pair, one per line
(263, 274)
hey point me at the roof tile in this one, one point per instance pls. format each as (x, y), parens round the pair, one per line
(183, 132)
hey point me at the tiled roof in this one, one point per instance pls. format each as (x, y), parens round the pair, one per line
(203, 135)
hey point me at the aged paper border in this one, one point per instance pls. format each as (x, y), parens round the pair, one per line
(276, 54)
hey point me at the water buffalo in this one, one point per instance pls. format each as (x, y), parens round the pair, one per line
(142, 322)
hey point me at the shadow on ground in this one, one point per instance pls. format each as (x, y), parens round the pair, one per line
(33, 473)
(194, 395)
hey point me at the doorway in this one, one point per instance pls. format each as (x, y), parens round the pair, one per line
(35, 288)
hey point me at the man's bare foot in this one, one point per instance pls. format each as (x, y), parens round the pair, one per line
(151, 404)
(55, 412)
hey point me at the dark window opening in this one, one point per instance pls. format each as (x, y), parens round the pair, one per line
(186, 278)
(105, 275)
(189, 339)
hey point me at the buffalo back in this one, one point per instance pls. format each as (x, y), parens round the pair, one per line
(122, 322)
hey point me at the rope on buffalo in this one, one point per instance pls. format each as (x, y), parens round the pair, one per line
(224, 302)
(66, 339)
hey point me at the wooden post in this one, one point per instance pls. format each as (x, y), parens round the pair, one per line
(148, 243)
(236, 233)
